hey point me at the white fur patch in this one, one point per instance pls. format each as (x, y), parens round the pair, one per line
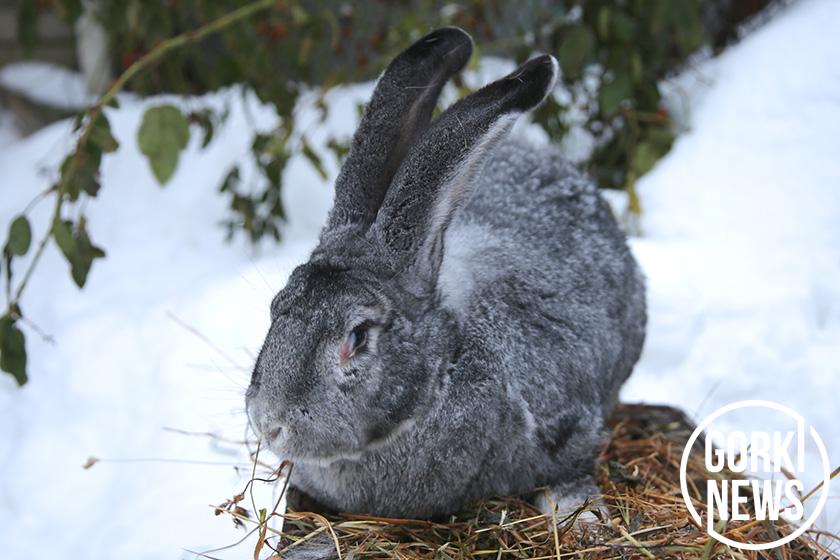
(465, 263)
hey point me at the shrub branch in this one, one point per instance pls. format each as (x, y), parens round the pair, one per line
(92, 113)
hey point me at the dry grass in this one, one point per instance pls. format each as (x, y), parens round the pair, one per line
(638, 473)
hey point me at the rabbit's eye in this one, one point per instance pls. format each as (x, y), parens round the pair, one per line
(353, 344)
(357, 338)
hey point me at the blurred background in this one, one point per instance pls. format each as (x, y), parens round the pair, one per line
(164, 165)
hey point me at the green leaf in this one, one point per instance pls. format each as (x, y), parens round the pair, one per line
(62, 232)
(644, 158)
(576, 47)
(84, 256)
(314, 159)
(613, 93)
(80, 172)
(100, 135)
(163, 134)
(77, 248)
(661, 136)
(12, 349)
(20, 236)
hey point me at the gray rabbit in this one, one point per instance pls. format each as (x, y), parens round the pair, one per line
(468, 317)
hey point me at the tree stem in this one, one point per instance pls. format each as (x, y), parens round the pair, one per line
(155, 54)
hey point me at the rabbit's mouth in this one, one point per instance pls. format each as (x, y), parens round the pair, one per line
(288, 444)
(328, 459)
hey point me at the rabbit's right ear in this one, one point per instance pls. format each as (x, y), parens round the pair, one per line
(397, 114)
(442, 167)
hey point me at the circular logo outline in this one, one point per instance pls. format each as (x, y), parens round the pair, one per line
(736, 406)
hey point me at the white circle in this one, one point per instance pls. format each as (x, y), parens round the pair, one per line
(735, 406)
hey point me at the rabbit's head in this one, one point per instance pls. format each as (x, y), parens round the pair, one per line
(359, 343)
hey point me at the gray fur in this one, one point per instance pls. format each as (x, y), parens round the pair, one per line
(505, 312)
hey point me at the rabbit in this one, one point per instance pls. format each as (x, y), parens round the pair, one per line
(468, 316)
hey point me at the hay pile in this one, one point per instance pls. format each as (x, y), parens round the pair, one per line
(638, 473)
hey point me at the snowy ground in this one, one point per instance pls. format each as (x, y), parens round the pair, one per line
(742, 245)
(741, 248)
(46, 83)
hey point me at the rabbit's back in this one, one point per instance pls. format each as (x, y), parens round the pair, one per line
(536, 248)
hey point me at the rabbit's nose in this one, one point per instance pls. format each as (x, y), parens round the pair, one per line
(274, 433)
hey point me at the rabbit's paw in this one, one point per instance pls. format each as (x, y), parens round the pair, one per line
(567, 499)
(321, 547)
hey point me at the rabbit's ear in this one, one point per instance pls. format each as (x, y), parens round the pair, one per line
(397, 114)
(441, 168)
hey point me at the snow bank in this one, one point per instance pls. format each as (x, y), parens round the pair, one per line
(8, 131)
(741, 249)
(742, 244)
(46, 83)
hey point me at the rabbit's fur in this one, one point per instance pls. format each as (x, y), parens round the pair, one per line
(499, 307)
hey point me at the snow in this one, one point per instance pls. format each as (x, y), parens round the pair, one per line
(49, 84)
(122, 366)
(8, 131)
(740, 245)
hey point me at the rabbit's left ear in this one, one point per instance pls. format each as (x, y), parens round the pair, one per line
(441, 168)
(397, 114)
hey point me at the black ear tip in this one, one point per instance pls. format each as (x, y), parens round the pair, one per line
(541, 71)
(451, 34)
(534, 81)
(449, 46)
